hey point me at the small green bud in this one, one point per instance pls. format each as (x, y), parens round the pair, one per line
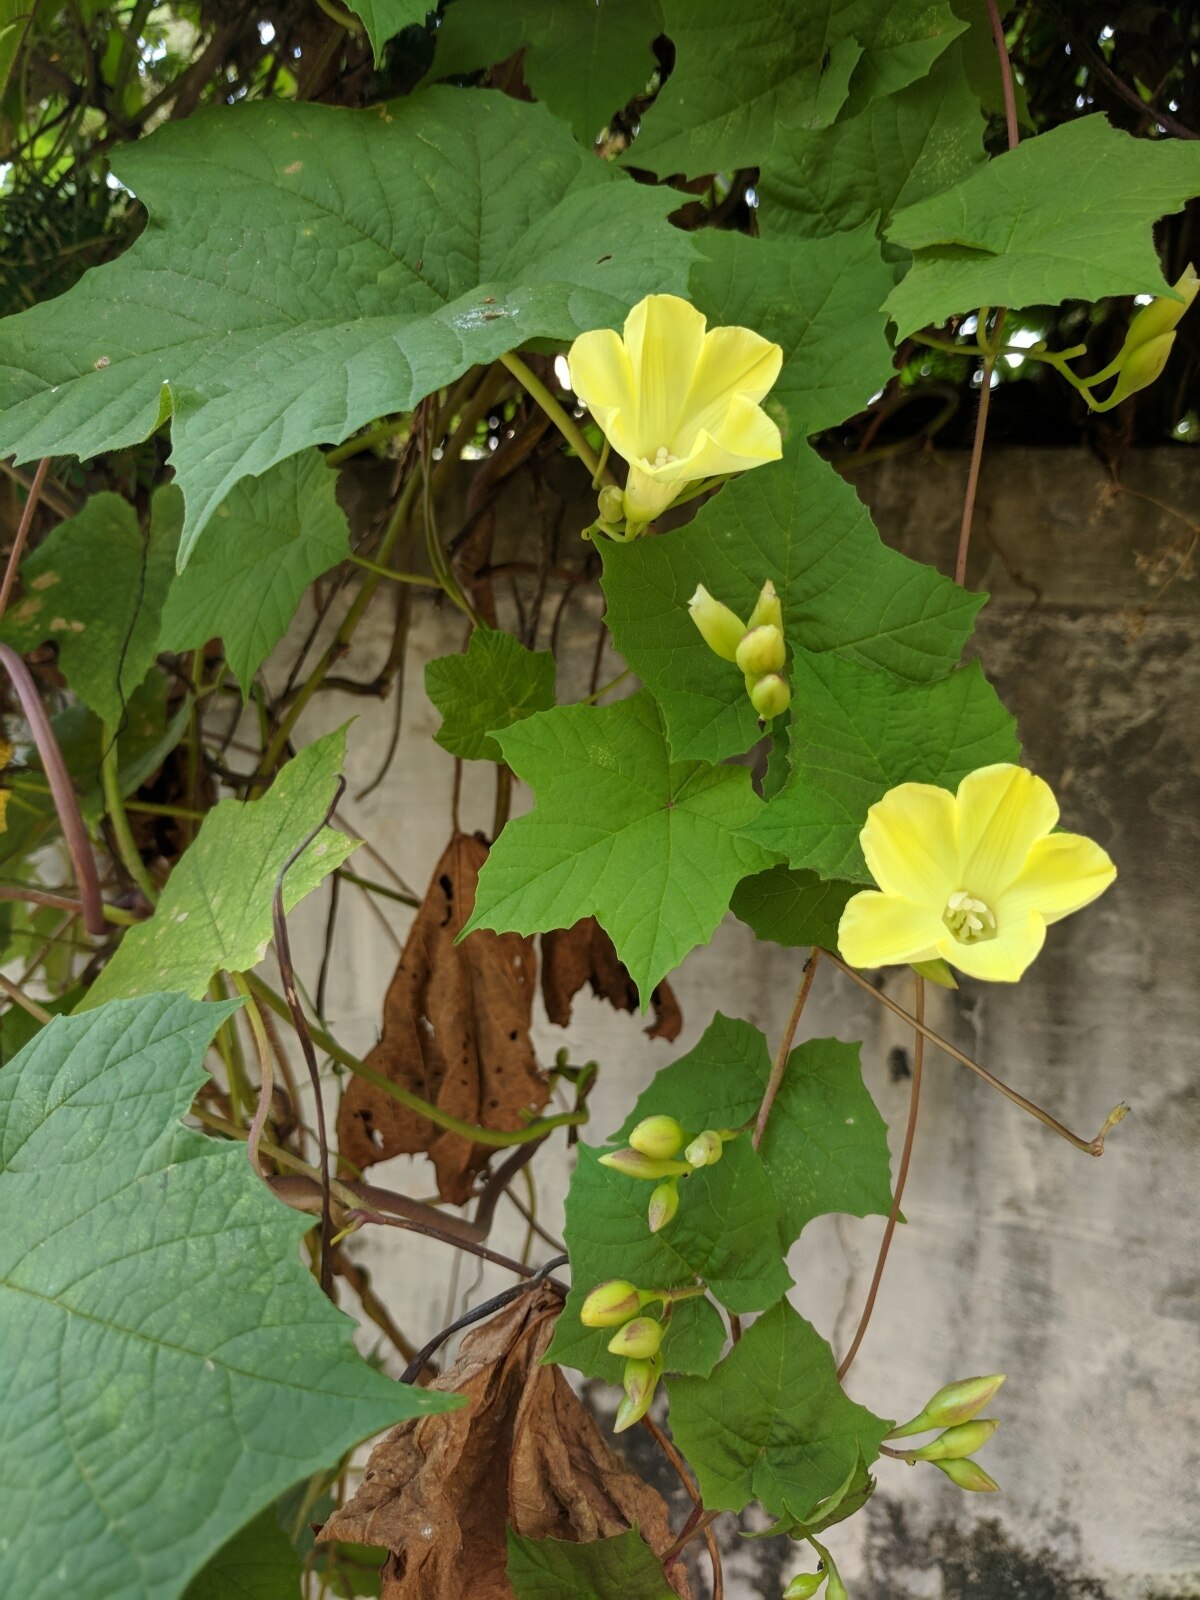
(640, 1379)
(957, 1402)
(761, 650)
(957, 1442)
(1161, 315)
(836, 1589)
(803, 1585)
(767, 609)
(640, 1339)
(610, 1304)
(664, 1203)
(611, 502)
(705, 1150)
(1139, 369)
(770, 696)
(635, 1165)
(722, 629)
(968, 1475)
(660, 1138)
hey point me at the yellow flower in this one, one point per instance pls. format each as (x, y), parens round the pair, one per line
(678, 403)
(973, 877)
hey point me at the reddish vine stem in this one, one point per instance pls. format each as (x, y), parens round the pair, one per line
(684, 1475)
(444, 1236)
(695, 1524)
(23, 527)
(1006, 73)
(65, 802)
(901, 1179)
(779, 1065)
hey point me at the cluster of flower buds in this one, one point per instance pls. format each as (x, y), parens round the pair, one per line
(756, 647)
(955, 1409)
(806, 1584)
(660, 1152)
(1143, 356)
(619, 1304)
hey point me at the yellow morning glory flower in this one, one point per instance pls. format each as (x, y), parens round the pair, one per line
(972, 877)
(678, 403)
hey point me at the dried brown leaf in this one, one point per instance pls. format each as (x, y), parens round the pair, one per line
(438, 1491)
(455, 1031)
(583, 954)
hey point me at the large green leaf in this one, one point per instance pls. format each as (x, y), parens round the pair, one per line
(898, 150)
(1065, 216)
(96, 586)
(170, 1366)
(584, 59)
(215, 911)
(620, 1568)
(651, 848)
(266, 543)
(820, 300)
(855, 735)
(843, 592)
(725, 1233)
(383, 19)
(771, 1422)
(495, 683)
(792, 907)
(258, 1563)
(307, 269)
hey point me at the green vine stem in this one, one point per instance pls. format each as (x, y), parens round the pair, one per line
(565, 424)
(131, 856)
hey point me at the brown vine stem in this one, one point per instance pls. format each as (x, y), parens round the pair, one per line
(20, 998)
(684, 1475)
(1091, 1147)
(693, 1526)
(1006, 73)
(901, 1179)
(779, 1065)
(23, 527)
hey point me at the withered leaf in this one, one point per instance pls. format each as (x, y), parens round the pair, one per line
(525, 1452)
(455, 1031)
(583, 954)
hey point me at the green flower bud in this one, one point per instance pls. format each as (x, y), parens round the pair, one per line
(635, 1165)
(957, 1402)
(767, 609)
(1139, 369)
(610, 1304)
(761, 650)
(721, 628)
(770, 696)
(836, 1589)
(705, 1150)
(640, 1339)
(658, 1137)
(611, 502)
(1161, 315)
(956, 1442)
(640, 1379)
(803, 1585)
(968, 1475)
(664, 1203)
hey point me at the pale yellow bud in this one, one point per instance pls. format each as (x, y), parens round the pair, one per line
(767, 609)
(957, 1442)
(635, 1165)
(957, 1402)
(610, 1304)
(761, 650)
(1161, 315)
(804, 1585)
(705, 1149)
(968, 1475)
(658, 1137)
(1139, 369)
(640, 1380)
(611, 502)
(770, 696)
(640, 1339)
(664, 1203)
(721, 629)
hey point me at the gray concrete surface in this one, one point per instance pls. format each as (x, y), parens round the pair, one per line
(1079, 1278)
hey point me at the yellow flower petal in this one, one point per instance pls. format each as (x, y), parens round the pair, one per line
(603, 378)
(747, 435)
(884, 930)
(1062, 874)
(1002, 959)
(664, 336)
(1003, 811)
(909, 840)
(735, 362)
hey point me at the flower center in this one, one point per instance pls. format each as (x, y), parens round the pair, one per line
(663, 457)
(968, 918)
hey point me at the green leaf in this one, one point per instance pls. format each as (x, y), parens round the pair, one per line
(496, 683)
(792, 908)
(266, 543)
(258, 1563)
(855, 735)
(820, 300)
(771, 1422)
(745, 80)
(384, 19)
(178, 1367)
(1065, 216)
(95, 586)
(461, 225)
(620, 1568)
(825, 1147)
(582, 59)
(215, 911)
(725, 1232)
(902, 40)
(843, 592)
(900, 149)
(653, 850)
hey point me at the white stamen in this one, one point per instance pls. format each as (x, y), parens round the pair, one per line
(663, 457)
(968, 918)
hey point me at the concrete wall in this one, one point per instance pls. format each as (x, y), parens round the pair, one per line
(1080, 1278)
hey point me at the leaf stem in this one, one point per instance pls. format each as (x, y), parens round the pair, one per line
(779, 1065)
(565, 424)
(20, 998)
(131, 856)
(389, 572)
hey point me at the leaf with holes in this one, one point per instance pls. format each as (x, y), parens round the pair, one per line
(496, 683)
(461, 226)
(215, 912)
(172, 1366)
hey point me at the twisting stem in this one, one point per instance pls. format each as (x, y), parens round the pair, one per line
(1092, 1147)
(779, 1065)
(497, 1303)
(901, 1179)
(23, 527)
(565, 424)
